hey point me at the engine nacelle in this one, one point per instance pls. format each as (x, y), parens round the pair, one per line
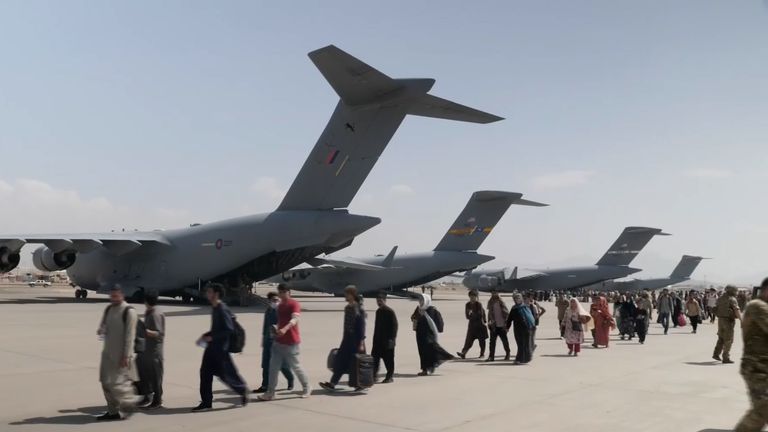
(489, 281)
(8, 259)
(45, 259)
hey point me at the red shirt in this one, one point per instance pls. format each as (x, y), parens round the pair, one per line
(284, 312)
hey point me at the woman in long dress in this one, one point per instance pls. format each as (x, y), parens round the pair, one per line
(428, 323)
(575, 322)
(604, 321)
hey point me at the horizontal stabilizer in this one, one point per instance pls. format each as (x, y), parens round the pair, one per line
(476, 221)
(631, 241)
(370, 110)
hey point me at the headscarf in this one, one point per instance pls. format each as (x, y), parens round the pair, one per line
(579, 308)
(426, 302)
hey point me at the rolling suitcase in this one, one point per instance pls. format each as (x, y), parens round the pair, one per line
(365, 378)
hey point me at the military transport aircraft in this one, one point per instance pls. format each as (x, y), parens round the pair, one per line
(613, 265)
(312, 218)
(681, 273)
(457, 251)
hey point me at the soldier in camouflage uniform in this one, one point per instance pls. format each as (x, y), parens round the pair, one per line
(727, 311)
(754, 362)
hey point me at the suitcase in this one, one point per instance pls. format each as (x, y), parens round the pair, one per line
(332, 358)
(365, 378)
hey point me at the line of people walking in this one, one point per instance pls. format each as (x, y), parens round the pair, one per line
(131, 370)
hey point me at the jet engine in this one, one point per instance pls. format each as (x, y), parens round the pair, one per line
(489, 281)
(8, 259)
(300, 274)
(45, 259)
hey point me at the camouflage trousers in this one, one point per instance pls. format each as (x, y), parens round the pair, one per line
(725, 327)
(756, 376)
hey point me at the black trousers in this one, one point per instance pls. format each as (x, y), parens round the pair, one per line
(217, 362)
(501, 333)
(523, 340)
(470, 340)
(150, 368)
(389, 362)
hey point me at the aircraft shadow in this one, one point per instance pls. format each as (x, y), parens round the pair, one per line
(716, 430)
(555, 355)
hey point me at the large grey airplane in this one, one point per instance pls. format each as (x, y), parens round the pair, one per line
(312, 218)
(457, 251)
(613, 265)
(681, 273)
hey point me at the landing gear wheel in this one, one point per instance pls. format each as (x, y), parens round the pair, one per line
(186, 299)
(84, 294)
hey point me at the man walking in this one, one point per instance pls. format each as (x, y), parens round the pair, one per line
(286, 345)
(497, 321)
(152, 357)
(727, 311)
(562, 305)
(665, 307)
(754, 362)
(117, 370)
(384, 336)
(217, 360)
(267, 339)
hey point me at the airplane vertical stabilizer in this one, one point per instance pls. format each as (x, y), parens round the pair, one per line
(371, 108)
(631, 241)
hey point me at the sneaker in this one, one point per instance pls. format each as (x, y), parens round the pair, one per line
(266, 397)
(424, 373)
(202, 407)
(387, 380)
(359, 389)
(727, 361)
(153, 406)
(506, 357)
(144, 402)
(490, 359)
(245, 398)
(717, 357)
(289, 388)
(327, 386)
(109, 417)
(261, 389)
(570, 352)
(307, 392)
(460, 355)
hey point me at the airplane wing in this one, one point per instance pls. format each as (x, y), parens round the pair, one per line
(337, 264)
(118, 242)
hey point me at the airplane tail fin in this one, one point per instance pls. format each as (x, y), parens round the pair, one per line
(370, 110)
(476, 221)
(686, 267)
(389, 258)
(631, 241)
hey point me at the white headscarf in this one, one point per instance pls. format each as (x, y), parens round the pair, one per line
(579, 308)
(426, 302)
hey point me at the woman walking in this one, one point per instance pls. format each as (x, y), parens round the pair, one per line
(428, 323)
(574, 323)
(603, 322)
(627, 313)
(476, 325)
(521, 320)
(693, 310)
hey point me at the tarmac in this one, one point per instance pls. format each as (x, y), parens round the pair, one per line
(49, 357)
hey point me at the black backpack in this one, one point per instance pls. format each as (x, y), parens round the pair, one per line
(237, 338)
(140, 341)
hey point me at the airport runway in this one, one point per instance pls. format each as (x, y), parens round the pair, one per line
(49, 357)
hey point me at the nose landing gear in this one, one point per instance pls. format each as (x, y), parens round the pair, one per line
(81, 294)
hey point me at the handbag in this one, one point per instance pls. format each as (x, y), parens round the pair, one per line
(331, 361)
(576, 325)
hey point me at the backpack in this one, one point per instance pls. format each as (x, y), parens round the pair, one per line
(237, 338)
(140, 341)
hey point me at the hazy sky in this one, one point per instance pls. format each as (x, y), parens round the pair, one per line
(159, 114)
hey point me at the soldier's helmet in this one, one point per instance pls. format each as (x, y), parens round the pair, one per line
(731, 290)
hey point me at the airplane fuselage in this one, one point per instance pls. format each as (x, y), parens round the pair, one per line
(240, 250)
(562, 279)
(405, 271)
(640, 284)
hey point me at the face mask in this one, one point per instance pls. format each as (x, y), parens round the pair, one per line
(274, 305)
